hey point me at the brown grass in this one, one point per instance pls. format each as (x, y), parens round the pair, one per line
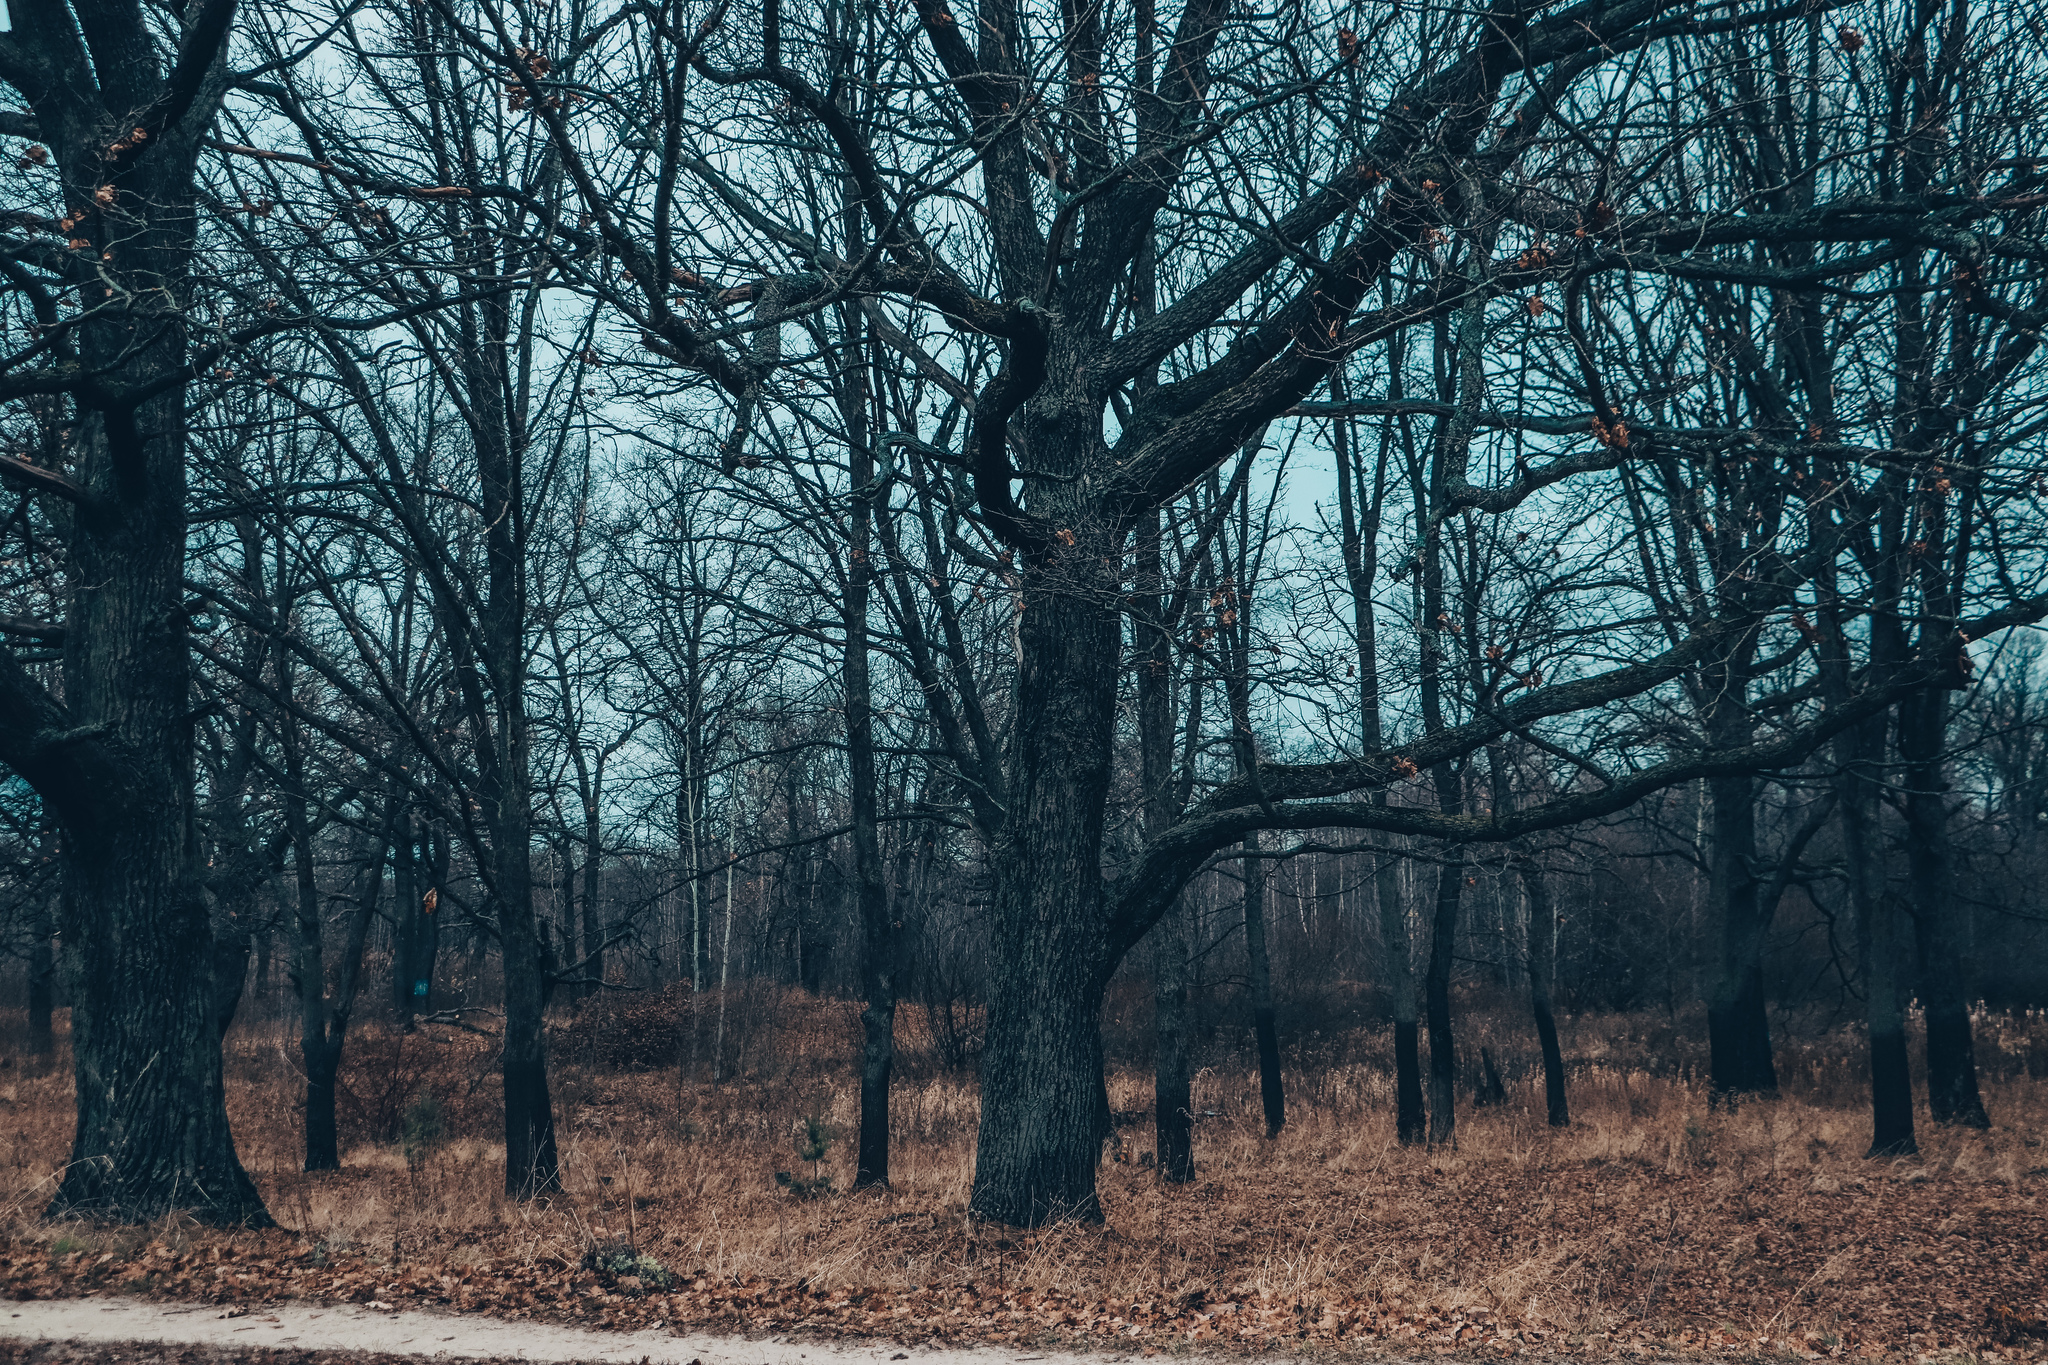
(1654, 1218)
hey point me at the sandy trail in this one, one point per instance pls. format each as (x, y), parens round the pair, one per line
(350, 1327)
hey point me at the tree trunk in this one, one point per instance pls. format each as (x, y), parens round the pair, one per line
(1411, 1115)
(415, 930)
(1952, 1094)
(1738, 1030)
(531, 1164)
(881, 953)
(1050, 957)
(1542, 976)
(492, 673)
(1172, 1093)
(1260, 965)
(593, 888)
(1443, 941)
(878, 1063)
(309, 968)
(152, 1126)
(1891, 1085)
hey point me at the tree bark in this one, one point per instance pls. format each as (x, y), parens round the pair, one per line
(881, 952)
(114, 759)
(1411, 1115)
(1443, 939)
(494, 684)
(1738, 1030)
(152, 1129)
(1172, 1091)
(415, 930)
(1952, 1093)
(310, 973)
(1259, 964)
(593, 890)
(1050, 957)
(1891, 1085)
(1542, 976)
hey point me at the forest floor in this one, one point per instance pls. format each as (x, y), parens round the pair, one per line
(1654, 1225)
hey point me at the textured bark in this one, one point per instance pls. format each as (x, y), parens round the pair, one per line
(1952, 1093)
(1050, 957)
(152, 1130)
(1542, 973)
(878, 1064)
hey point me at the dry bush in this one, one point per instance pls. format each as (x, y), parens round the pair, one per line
(1657, 1215)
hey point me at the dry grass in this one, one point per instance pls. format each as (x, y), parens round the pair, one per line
(1654, 1218)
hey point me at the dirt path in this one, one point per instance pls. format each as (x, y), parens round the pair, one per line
(354, 1328)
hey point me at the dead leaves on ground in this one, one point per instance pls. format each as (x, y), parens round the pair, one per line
(1769, 1268)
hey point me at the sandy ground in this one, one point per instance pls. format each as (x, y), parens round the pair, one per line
(354, 1328)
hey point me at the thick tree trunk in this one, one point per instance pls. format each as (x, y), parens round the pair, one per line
(1050, 958)
(1542, 975)
(1738, 1030)
(1260, 964)
(1443, 941)
(152, 1131)
(152, 1127)
(113, 759)
(1952, 1093)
